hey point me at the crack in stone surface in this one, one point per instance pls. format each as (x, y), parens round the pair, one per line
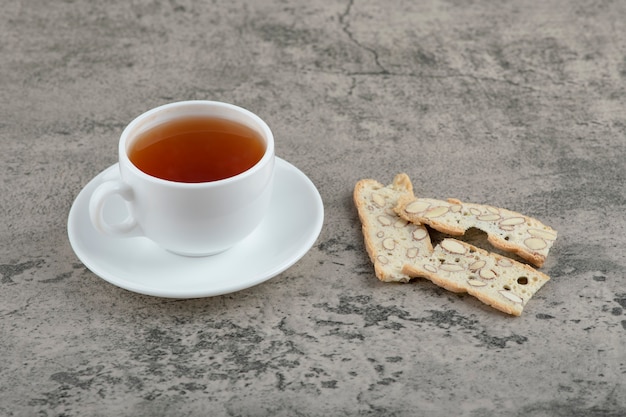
(345, 28)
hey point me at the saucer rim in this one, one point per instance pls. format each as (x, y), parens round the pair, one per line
(240, 284)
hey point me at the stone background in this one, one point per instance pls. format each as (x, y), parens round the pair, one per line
(520, 104)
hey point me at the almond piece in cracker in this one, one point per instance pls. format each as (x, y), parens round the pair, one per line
(507, 230)
(498, 281)
(390, 241)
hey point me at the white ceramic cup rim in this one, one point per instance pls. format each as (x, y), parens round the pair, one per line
(261, 127)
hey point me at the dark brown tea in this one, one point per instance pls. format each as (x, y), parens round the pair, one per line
(197, 149)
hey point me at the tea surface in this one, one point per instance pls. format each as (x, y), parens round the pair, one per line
(197, 149)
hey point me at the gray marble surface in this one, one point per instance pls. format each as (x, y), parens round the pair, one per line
(520, 104)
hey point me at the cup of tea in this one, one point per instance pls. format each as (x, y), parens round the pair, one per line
(196, 177)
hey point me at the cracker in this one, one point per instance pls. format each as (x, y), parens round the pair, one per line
(498, 281)
(506, 230)
(389, 240)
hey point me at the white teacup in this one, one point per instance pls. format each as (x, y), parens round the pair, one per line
(192, 219)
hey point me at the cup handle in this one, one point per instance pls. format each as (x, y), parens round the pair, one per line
(128, 227)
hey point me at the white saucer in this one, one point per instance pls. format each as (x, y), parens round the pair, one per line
(139, 265)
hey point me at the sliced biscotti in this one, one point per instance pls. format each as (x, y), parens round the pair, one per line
(507, 230)
(390, 241)
(495, 280)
